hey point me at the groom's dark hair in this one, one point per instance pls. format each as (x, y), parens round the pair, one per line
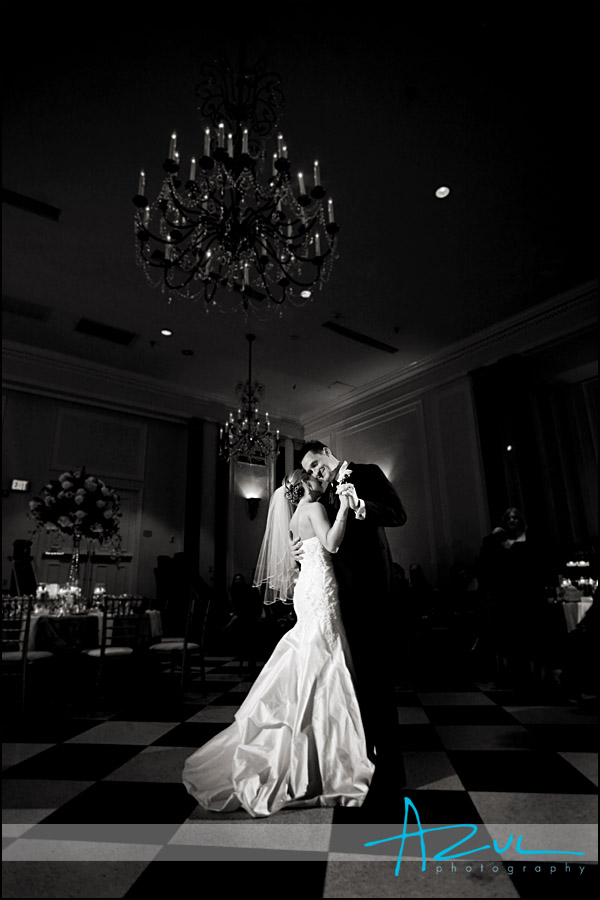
(311, 447)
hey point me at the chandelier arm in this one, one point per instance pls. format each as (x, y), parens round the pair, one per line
(288, 275)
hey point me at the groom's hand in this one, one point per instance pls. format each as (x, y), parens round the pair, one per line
(296, 551)
(348, 490)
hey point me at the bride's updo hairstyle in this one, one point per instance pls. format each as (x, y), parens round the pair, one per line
(293, 485)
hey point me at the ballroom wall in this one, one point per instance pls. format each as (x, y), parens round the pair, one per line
(142, 457)
(425, 428)
(423, 425)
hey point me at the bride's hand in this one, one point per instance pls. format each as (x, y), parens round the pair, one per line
(348, 491)
(344, 500)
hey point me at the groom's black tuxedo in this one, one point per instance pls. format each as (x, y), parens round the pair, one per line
(364, 562)
(363, 568)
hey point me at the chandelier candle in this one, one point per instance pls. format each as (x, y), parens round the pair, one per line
(238, 233)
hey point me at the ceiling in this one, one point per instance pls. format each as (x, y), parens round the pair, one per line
(496, 100)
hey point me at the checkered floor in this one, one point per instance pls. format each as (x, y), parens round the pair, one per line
(473, 754)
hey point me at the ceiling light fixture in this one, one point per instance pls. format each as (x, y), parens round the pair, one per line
(246, 434)
(237, 230)
(442, 192)
(166, 332)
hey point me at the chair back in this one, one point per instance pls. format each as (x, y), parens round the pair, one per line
(16, 623)
(123, 619)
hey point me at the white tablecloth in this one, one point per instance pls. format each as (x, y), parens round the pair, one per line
(575, 611)
(153, 615)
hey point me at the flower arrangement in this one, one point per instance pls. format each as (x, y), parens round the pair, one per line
(78, 504)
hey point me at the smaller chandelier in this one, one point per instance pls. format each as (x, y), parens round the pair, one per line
(246, 434)
(236, 229)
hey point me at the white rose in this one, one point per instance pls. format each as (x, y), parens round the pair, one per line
(66, 485)
(80, 514)
(78, 499)
(64, 522)
(100, 503)
(108, 514)
(106, 491)
(65, 475)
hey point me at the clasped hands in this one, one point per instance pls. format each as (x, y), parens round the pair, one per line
(345, 490)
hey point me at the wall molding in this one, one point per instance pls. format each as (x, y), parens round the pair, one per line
(563, 315)
(52, 374)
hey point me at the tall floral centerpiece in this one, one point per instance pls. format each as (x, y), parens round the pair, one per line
(82, 506)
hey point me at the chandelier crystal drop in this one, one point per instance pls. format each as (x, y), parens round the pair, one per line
(236, 229)
(246, 434)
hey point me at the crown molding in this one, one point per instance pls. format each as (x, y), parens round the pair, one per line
(52, 374)
(565, 314)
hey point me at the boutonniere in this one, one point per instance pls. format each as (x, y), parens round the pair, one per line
(344, 473)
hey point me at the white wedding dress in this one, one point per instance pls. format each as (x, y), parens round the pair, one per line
(298, 738)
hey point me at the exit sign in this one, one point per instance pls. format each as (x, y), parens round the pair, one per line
(18, 484)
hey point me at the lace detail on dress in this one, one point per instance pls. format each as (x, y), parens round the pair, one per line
(316, 602)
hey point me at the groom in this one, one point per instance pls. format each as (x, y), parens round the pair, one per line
(363, 568)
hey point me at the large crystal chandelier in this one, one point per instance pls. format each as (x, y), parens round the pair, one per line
(237, 229)
(246, 434)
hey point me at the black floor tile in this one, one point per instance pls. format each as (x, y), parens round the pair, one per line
(419, 737)
(232, 699)
(74, 762)
(468, 715)
(448, 685)
(525, 697)
(520, 771)
(221, 687)
(214, 881)
(160, 713)
(434, 807)
(124, 802)
(556, 885)
(565, 737)
(43, 731)
(190, 734)
(407, 698)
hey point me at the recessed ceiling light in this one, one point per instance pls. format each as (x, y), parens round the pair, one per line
(305, 294)
(442, 192)
(166, 332)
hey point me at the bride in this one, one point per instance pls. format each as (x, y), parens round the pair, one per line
(298, 738)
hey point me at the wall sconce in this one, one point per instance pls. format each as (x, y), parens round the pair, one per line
(253, 503)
